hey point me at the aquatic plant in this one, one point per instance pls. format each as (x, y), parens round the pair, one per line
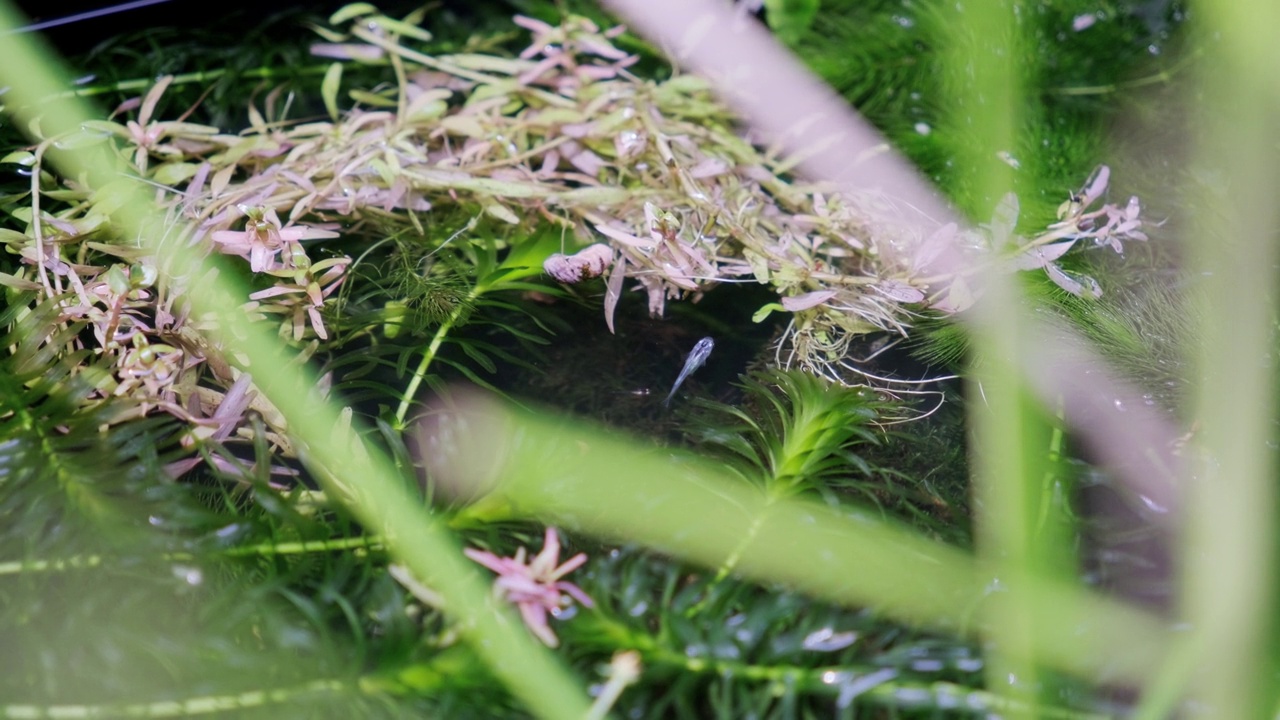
(536, 586)
(561, 135)
(712, 641)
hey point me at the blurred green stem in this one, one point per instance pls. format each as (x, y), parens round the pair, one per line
(203, 705)
(1227, 598)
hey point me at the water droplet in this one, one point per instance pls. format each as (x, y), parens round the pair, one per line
(923, 128)
(1119, 405)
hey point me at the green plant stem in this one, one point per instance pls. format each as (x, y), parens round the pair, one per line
(1164, 693)
(833, 679)
(200, 705)
(1052, 461)
(430, 354)
(85, 562)
(1162, 77)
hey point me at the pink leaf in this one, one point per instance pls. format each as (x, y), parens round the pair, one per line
(900, 291)
(934, 245)
(959, 297)
(613, 291)
(1038, 257)
(1074, 284)
(1097, 186)
(807, 300)
(625, 238)
(709, 167)
(578, 130)
(588, 162)
(274, 292)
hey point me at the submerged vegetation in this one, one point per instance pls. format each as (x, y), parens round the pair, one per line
(453, 210)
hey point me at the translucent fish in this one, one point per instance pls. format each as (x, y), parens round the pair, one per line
(696, 357)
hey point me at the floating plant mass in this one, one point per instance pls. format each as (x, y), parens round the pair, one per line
(652, 177)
